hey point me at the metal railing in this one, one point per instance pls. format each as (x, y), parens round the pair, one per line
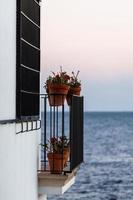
(61, 133)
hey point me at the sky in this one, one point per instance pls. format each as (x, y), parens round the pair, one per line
(95, 37)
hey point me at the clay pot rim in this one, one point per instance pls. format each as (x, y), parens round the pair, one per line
(65, 149)
(58, 85)
(75, 88)
(55, 155)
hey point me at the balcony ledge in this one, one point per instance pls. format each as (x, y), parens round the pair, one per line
(42, 197)
(55, 183)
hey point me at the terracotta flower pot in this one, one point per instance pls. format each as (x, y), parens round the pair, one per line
(57, 94)
(73, 91)
(56, 162)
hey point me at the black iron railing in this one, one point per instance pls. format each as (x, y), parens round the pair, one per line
(61, 133)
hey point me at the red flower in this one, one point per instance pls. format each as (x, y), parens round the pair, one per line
(66, 77)
(53, 140)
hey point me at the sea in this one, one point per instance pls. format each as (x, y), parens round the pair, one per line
(107, 171)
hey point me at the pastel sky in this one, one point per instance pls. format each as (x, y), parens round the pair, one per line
(95, 37)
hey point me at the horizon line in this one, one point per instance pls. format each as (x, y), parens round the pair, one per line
(108, 110)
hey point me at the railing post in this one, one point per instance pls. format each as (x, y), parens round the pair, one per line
(76, 131)
(45, 129)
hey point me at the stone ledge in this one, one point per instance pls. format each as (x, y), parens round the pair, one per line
(42, 197)
(55, 183)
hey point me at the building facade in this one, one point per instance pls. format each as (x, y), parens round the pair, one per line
(18, 139)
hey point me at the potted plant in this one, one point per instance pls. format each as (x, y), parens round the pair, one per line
(75, 87)
(57, 87)
(58, 153)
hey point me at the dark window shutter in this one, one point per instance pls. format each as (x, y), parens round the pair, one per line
(28, 59)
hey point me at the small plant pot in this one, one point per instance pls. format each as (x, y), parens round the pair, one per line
(72, 91)
(56, 162)
(57, 94)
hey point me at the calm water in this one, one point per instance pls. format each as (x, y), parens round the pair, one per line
(107, 173)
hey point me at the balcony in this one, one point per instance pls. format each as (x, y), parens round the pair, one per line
(61, 143)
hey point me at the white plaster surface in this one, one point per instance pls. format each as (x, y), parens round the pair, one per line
(18, 164)
(7, 59)
(18, 153)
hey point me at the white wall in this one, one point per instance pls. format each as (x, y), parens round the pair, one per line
(7, 59)
(18, 153)
(18, 164)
